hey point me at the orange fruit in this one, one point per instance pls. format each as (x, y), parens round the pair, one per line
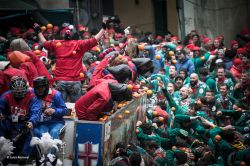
(49, 26)
(74, 52)
(130, 87)
(105, 117)
(141, 47)
(81, 75)
(136, 95)
(239, 109)
(149, 92)
(161, 119)
(174, 61)
(157, 57)
(120, 57)
(58, 44)
(242, 163)
(37, 52)
(127, 112)
(43, 28)
(120, 116)
(143, 82)
(159, 78)
(183, 149)
(171, 53)
(202, 58)
(120, 105)
(173, 109)
(145, 89)
(174, 147)
(217, 137)
(155, 113)
(101, 120)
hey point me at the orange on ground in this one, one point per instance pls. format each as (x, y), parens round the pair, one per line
(127, 112)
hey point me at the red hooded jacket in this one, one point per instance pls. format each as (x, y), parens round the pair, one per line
(95, 101)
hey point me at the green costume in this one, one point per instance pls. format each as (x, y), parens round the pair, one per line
(200, 61)
(199, 90)
(227, 102)
(228, 82)
(211, 84)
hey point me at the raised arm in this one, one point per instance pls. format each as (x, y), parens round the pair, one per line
(37, 29)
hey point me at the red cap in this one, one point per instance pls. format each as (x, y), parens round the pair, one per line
(190, 46)
(159, 37)
(111, 31)
(34, 46)
(174, 38)
(206, 40)
(196, 48)
(237, 62)
(55, 29)
(241, 51)
(216, 39)
(244, 31)
(233, 42)
(15, 31)
(161, 112)
(118, 35)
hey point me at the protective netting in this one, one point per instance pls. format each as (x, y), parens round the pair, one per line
(213, 17)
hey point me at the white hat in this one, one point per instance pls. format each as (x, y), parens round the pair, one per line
(218, 61)
(4, 64)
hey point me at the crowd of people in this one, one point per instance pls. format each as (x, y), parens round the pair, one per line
(198, 92)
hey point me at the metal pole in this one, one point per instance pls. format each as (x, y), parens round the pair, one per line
(77, 12)
(180, 7)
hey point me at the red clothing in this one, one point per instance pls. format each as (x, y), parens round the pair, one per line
(30, 71)
(95, 101)
(235, 72)
(98, 73)
(69, 55)
(41, 69)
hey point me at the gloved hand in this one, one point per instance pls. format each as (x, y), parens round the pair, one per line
(104, 26)
(37, 28)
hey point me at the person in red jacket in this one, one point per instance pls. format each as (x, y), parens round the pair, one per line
(22, 46)
(69, 53)
(100, 99)
(236, 69)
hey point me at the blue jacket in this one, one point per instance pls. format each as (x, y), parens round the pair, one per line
(54, 100)
(186, 64)
(158, 64)
(27, 109)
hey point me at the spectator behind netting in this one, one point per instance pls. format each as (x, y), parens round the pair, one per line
(243, 37)
(69, 71)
